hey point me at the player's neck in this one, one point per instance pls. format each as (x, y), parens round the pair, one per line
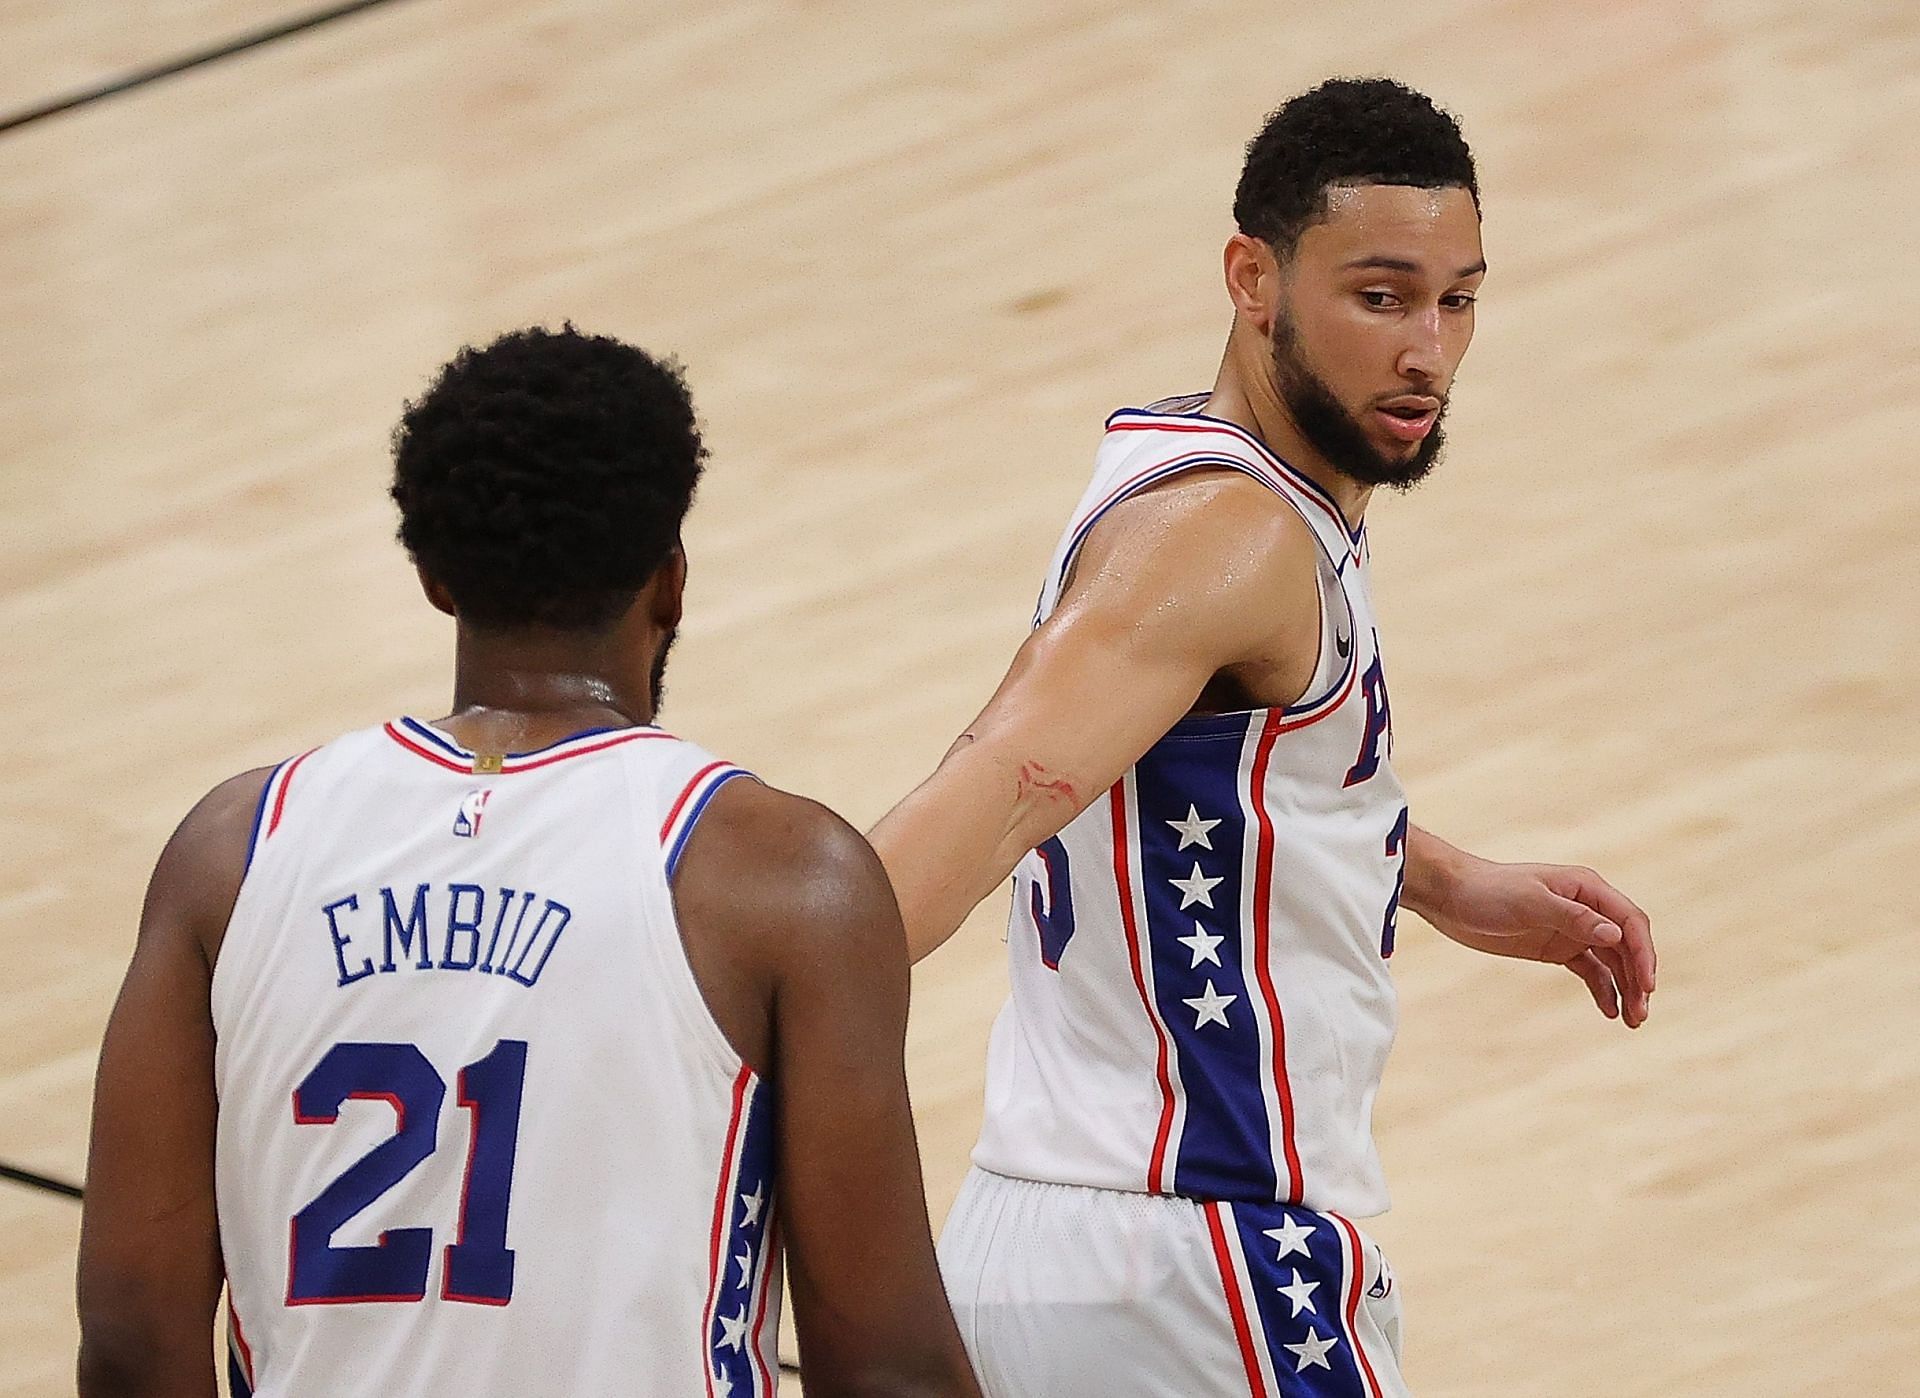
(524, 690)
(1244, 394)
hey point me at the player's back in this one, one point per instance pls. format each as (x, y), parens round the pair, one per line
(478, 1132)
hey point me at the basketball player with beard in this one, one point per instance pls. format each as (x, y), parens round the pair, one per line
(507, 1054)
(1187, 770)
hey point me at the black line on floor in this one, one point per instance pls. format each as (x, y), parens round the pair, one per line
(128, 82)
(34, 1181)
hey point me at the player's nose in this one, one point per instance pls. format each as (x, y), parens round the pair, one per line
(1423, 354)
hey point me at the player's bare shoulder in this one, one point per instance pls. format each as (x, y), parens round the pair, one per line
(1217, 560)
(767, 856)
(198, 875)
(771, 881)
(1204, 534)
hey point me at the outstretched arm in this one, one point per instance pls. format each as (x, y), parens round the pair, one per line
(1555, 913)
(1174, 588)
(150, 1267)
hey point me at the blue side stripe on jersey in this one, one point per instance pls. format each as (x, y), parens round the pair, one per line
(1225, 1149)
(698, 808)
(237, 1384)
(1319, 1280)
(750, 1234)
(260, 815)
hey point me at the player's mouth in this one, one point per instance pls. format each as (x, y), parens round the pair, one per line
(1409, 417)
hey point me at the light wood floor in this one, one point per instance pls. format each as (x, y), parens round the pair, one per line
(1660, 612)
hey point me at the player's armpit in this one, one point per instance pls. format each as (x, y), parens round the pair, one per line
(150, 1269)
(867, 1300)
(1214, 577)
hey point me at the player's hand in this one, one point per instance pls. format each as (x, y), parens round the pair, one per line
(1561, 914)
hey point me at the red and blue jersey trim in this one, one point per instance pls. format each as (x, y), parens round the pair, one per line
(743, 1257)
(690, 805)
(271, 808)
(1296, 488)
(1148, 420)
(436, 747)
(240, 1379)
(1143, 480)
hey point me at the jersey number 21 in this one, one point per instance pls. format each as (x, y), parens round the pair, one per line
(479, 1264)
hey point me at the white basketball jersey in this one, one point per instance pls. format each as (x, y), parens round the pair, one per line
(1200, 1000)
(478, 1133)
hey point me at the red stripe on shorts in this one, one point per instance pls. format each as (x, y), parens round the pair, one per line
(1236, 1307)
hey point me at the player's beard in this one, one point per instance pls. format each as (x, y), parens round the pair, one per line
(1333, 431)
(657, 681)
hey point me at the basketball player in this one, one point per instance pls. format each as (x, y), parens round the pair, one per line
(498, 1055)
(1189, 762)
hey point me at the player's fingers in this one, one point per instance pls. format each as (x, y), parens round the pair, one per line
(1637, 941)
(1572, 918)
(1636, 929)
(1633, 997)
(1599, 982)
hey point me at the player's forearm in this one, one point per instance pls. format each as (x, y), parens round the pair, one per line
(1433, 869)
(958, 836)
(128, 1361)
(943, 854)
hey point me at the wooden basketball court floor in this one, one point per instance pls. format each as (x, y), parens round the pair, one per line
(1659, 612)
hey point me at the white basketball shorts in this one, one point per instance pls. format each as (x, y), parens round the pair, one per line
(1067, 1292)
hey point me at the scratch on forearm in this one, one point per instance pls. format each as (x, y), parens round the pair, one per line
(1042, 786)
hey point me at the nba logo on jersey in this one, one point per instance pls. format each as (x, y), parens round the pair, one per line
(466, 821)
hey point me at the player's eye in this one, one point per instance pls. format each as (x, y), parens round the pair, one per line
(1459, 301)
(1380, 300)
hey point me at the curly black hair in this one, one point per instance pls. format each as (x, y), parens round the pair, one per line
(543, 479)
(1345, 131)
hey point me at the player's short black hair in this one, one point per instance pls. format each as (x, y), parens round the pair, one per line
(1345, 131)
(543, 479)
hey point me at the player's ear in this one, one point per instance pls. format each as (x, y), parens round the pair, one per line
(1253, 281)
(441, 599)
(669, 590)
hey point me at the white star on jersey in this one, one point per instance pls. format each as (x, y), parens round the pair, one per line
(1300, 1293)
(722, 1385)
(751, 1203)
(1196, 888)
(1193, 830)
(1291, 1236)
(1204, 946)
(744, 1261)
(1312, 1350)
(1210, 1008)
(733, 1332)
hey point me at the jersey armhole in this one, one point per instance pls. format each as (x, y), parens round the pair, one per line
(670, 947)
(271, 807)
(1146, 480)
(1327, 578)
(690, 805)
(269, 810)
